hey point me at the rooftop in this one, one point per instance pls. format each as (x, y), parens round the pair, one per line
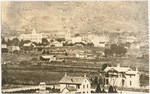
(119, 69)
(72, 80)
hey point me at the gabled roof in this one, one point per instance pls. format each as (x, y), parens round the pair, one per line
(56, 42)
(132, 72)
(28, 44)
(118, 69)
(73, 80)
(48, 56)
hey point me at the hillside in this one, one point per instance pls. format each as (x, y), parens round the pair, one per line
(79, 16)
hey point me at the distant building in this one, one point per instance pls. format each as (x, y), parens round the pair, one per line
(81, 55)
(34, 37)
(122, 77)
(77, 39)
(13, 48)
(135, 46)
(85, 55)
(3, 46)
(48, 58)
(42, 88)
(99, 41)
(28, 46)
(57, 44)
(69, 84)
(130, 39)
(58, 52)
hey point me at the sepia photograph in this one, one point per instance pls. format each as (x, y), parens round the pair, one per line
(74, 47)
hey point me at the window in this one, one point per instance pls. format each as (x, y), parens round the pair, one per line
(106, 81)
(78, 86)
(130, 83)
(123, 81)
(83, 86)
(87, 86)
(130, 76)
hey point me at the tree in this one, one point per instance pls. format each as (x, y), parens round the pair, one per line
(113, 48)
(103, 91)
(121, 50)
(96, 80)
(27, 41)
(21, 43)
(77, 35)
(3, 41)
(48, 52)
(105, 66)
(4, 50)
(9, 43)
(127, 44)
(3, 82)
(100, 81)
(44, 52)
(60, 39)
(118, 49)
(98, 89)
(15, 42)
(107, 52)
(44, 41)
(110, 90)
(90, 44)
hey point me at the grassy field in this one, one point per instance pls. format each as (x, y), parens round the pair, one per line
(52, 72)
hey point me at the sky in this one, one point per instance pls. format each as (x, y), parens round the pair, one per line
(78, 16)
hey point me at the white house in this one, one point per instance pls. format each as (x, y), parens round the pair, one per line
(77, 39)
(57, 44)
(48, 58)
(34, 37)
(82, 55)
(130, 39)
(99, 41)
(42, 88)
(135, 46)
(122, 77)
(70, 84)
(3, 46)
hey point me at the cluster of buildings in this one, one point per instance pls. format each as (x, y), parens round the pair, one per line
(114, 76)
(99, 40)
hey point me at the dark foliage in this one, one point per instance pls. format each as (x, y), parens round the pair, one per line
(98, 89)
(110, 90)
(105, 65)
(4, 50)
(3, 41)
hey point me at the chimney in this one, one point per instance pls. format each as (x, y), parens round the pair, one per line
(136, 68)
(65, 74)
(118, 65)
(85, 75)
